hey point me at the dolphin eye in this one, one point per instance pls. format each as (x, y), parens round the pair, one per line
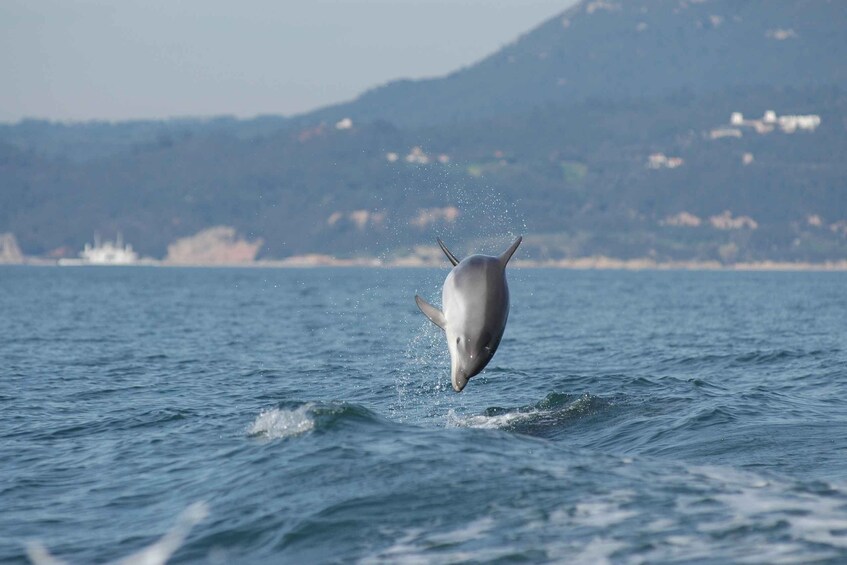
(458, 339)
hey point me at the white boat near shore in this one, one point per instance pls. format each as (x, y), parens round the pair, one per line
(104, 253)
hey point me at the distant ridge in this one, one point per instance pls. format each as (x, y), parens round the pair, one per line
(623, 50)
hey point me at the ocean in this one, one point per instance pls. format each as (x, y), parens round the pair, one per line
(306, 416)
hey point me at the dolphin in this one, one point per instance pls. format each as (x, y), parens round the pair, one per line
(475, 299)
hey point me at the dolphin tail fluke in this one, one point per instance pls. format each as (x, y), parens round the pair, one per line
(447, 252)
(435, 315)
(504, 258)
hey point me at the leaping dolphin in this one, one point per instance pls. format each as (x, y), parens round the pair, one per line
(475, 299)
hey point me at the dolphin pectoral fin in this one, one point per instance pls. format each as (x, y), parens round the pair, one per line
(447, 252)
(435, 315)
(504, 258)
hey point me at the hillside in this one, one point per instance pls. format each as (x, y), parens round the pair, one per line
(628, 50)
(86, 141)
(659, 165)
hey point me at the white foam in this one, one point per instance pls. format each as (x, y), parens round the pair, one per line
(473, 530)
(752, 501)
(157, 553)
(598, 551)
(279, 423)
(600, 514)
(517, 416)
(811, 518)
(484, 422)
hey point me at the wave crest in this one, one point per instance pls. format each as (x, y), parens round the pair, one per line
(289, 420)
(278, 423)
(549, 414)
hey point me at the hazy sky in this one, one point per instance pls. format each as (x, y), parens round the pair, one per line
(122, 59)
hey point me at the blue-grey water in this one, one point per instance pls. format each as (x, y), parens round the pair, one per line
(628, 417)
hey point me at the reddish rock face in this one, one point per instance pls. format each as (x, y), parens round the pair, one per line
(219, 245)
(10, 252)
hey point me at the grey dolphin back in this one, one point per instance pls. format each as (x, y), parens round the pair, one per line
(435, 315)
(504, 258)
(447, 252)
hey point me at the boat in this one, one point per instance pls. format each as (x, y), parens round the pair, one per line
(104, 253)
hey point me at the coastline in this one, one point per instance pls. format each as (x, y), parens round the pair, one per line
(598, 263)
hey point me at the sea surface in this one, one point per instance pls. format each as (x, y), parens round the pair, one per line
(306, 416)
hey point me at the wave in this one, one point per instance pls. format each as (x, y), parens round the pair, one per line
(549, 415)
(278, 423)
(157, 553)
(83, 424)
(689, 514)
(754, 357)
(293, 419)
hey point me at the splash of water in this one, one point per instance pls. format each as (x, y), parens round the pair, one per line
(278, 423)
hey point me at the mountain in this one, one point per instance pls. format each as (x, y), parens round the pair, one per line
(708, 130)
(628, 50)
(85, 141)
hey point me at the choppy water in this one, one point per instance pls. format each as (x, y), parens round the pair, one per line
(627, 417)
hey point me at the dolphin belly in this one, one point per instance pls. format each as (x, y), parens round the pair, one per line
(475, 303)
(476, 307)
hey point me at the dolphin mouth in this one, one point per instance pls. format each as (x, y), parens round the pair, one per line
(460, 381)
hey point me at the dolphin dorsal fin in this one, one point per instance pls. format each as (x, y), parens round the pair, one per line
(504, 258)
(435, 315)
(447, 252)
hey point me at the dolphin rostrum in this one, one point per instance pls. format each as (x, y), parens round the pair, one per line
(475, 299)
